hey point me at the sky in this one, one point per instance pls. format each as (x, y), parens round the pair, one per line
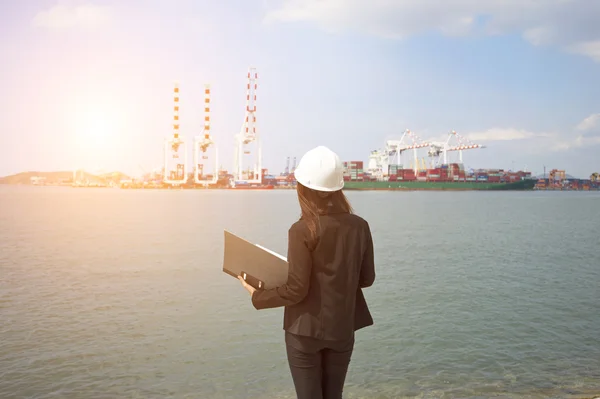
(88, 84)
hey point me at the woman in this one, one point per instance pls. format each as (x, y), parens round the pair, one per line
(330, 256)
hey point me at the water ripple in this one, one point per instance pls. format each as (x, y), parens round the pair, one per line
(110, 293)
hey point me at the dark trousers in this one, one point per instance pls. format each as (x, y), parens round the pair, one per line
(318, 367)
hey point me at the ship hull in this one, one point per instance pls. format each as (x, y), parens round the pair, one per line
(527, 184)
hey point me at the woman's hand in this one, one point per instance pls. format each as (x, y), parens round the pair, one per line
(247, 286)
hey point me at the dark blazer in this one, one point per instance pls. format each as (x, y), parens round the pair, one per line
(323, 298)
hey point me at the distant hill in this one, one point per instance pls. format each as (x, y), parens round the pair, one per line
(60, 177)
(26, 177)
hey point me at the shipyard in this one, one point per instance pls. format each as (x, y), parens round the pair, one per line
(405, 164)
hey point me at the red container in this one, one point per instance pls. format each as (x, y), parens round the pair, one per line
(353, 164)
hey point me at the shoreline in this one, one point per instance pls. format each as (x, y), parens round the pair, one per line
(279, 188)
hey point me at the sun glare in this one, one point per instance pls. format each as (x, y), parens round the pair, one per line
(96, 129)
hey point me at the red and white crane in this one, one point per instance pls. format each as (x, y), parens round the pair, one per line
(437, 149)
(247, 141)
(397, 147)
(380, 160)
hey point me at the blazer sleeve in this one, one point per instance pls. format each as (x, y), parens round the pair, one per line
(296, 288)
(367, 269)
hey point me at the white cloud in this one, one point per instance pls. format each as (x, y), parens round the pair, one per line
(62, 16)
(590, 48)
(502, 134)
(569, 24)
(590, 123)
(586, 133)
(577, 142)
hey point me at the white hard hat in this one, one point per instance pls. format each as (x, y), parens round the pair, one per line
(320, 169)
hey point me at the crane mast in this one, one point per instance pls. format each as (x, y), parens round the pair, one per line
(437, 150)
(415, 144)
(463, 144)
(175, 149)
(202, 144)
(248, 136)
(380, 160)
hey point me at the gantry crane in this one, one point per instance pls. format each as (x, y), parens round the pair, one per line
(441, 149)
(379, 160)
(394, 147)
(174, 148)
(202, 144)
(248, 135)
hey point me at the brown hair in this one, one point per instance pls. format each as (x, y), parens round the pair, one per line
(314, 203)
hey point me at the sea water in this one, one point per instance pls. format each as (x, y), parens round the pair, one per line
(108, 293)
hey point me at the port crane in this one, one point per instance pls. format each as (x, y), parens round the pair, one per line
(175, 149)
(289, 171)
(397, 147)
(437, 150)
(380, 160)
(202, 143)
(247, 136)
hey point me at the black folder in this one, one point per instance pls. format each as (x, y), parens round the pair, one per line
(260, 267)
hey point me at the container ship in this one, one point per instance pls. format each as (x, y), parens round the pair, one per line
(445, 177)
(386, 171)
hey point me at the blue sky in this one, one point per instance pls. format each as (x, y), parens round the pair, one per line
(88, 83)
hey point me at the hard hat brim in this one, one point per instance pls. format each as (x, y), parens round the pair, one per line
(300, 179)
